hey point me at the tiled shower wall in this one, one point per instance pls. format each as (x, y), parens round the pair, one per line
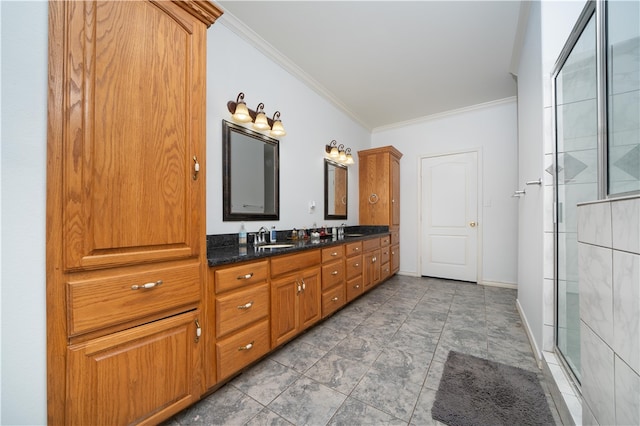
(609, 280)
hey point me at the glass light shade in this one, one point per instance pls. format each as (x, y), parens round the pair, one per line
(349, 159)
(334, 152)
(342, 156)
(277, 129)
(261, 122)
(241, 115)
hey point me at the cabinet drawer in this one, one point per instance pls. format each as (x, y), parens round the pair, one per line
(353, 249)
(239, 309)
(111, 300)
(354, 288)
(354, 266)
(241, 349)
(332, 253)
(385, 254)
(371, 244)
(239, 276)
(385, 271)
(332, 274)
(385, 241)
(333, 300)
(395, 237)
(288, 263)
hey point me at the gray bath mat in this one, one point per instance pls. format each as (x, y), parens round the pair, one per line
(476, 391)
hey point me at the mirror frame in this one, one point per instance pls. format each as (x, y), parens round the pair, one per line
(228, 129)
(327, 164)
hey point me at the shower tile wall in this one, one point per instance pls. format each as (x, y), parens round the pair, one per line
(609, 280)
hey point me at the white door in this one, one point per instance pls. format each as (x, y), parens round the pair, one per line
(449, 216)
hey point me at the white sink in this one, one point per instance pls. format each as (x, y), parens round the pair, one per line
(275, 246)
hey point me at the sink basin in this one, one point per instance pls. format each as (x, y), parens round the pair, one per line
(354, 235)
(275, 246)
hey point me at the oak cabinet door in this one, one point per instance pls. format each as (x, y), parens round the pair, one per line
(284, 309)
(310, 298)
(140, 375)
(133, 133)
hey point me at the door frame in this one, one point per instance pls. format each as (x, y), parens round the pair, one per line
(480, 203)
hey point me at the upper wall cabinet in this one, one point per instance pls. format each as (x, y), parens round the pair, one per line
(379, 180)
(125, 208)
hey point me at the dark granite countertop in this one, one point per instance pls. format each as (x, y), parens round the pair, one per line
(223, 249)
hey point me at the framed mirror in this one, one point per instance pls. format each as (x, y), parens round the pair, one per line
(250, 174)
(335, 190)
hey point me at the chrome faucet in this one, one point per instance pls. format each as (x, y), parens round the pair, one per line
(260, 236)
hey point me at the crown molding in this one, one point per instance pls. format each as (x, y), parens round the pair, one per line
(444, 114)
(251, 37)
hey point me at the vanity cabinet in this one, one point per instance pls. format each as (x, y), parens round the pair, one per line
(126, 249)
(353, 266)
(379, 196)
(333, 280)
(296, 302)
(371, 263)
(241, 308)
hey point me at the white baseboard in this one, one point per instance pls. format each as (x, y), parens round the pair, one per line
(536, 351)
(499, 284)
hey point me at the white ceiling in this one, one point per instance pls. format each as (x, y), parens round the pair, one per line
(389, 62)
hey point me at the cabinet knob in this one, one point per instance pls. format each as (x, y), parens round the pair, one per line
(335, 299)
(334, 273)
(356, 265)
(334, 253)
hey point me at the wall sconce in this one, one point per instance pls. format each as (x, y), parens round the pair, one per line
(241, 114)
(338, 153)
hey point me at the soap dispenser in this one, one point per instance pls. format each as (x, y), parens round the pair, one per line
(242, 235)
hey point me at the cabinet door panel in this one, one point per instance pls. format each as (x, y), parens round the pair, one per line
(145, 373)
(311, 298)
(129, 193)
(332, 274)
(284, 310)
(241, 349)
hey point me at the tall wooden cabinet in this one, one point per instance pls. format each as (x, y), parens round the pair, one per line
(126, 250)
(379, 200)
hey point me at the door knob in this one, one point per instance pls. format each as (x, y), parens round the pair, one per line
(472, 224)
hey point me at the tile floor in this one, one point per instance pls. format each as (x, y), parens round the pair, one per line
(377, 361)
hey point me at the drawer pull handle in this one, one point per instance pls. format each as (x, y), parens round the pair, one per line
(357, 286)
(244, 277)
(198, 331)
(373, 259)
(356, 265)
(356, 249)
(247, 347)
(246, 305)
(147, 285)
(334, 273)
(335, 299)
(335, 253)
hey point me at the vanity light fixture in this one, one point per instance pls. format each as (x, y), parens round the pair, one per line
(240, 111)
(260, 123)
(241, 114)
(338, 153)
(276, 127)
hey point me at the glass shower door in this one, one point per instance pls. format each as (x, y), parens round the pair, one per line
(576, 179)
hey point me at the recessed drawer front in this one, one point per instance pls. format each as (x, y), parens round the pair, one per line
(241, 349)
(395, 237)
(333, 300)
(106, 301)
(385, 254)
(354, 288)
(239, 309)
(371, 244)
(282, 264)
(239, 276)
(332, 253)
(354, 266)
(332, 274)
(353, 249)
(385, 270)
(385, 241)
